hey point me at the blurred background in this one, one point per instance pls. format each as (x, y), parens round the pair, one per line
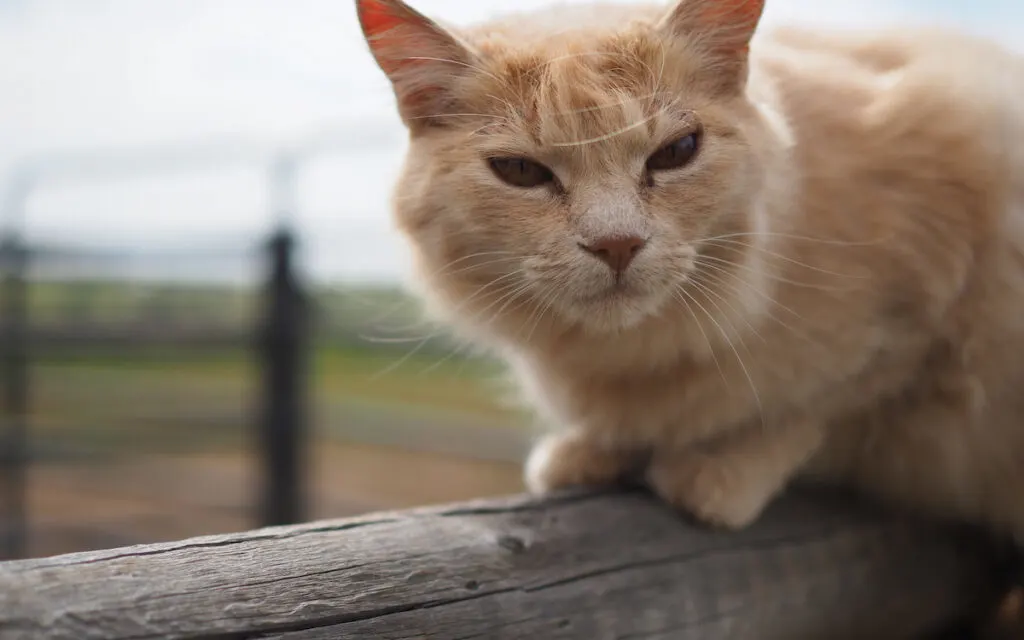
(202, 322)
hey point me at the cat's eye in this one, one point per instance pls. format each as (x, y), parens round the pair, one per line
(520, 172)
(676, 154)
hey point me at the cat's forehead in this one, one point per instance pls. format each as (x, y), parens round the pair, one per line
(606, 74)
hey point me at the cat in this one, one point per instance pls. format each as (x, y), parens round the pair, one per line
(726, 262)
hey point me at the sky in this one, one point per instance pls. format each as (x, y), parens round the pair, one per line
(95, 91)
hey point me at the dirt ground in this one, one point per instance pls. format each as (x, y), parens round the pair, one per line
(78, 507)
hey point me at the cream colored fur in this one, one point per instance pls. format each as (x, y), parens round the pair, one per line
(834, 288)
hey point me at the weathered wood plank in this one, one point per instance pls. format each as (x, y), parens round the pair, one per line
(572, 566)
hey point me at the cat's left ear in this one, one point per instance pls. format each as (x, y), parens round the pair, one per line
(421, 58)
(720, 28)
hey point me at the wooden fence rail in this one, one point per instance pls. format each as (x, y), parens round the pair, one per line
(577, 565)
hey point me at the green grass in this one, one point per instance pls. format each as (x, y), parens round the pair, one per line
(123, 397)
(115, 301)
(442, 381)
(104, 301)
(177, 399)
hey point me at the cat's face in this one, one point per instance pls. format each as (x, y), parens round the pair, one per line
(570, 172)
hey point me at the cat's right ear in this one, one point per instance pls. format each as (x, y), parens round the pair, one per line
(721, 29)
(421, 58)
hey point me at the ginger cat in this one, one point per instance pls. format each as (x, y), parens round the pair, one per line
(728, 264)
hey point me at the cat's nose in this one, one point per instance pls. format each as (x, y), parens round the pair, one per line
(617, 252)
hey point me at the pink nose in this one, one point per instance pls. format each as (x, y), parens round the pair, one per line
(616, 252)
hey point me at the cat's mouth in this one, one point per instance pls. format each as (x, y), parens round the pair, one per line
(619, 290)
(614, 306)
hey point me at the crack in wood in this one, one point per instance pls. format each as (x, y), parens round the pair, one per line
(95, 557)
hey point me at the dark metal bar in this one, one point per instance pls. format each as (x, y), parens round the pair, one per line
(15, 396)
(283, 347)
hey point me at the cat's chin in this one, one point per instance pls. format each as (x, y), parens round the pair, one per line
(612, 310)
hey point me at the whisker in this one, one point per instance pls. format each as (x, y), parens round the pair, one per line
(739, 360)
(457, 350)
(709, 291)
(720, 279)
(703, 258)
(548, 298)
(541, 300)
(480, 265)
(407, 340)
(384, 314)
(607, 105)
(789, 327)
(661, 70)
(607, 136)
(423, 342)
(733, 245)
(790, 236)
(405, 358)
(508, 298)
(416, 323)
(711, 347)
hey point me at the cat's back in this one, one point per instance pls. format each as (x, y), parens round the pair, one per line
(947, 100)
(911, 146)
(917, 135)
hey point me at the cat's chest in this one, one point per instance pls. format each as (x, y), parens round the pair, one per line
(644, 405)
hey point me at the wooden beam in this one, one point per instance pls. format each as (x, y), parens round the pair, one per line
(578, 565)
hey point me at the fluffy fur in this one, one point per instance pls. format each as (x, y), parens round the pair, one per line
(833, 288)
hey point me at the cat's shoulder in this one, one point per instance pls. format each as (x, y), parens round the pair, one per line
(926, 86)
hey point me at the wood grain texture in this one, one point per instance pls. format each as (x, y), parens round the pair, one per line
(580, 565)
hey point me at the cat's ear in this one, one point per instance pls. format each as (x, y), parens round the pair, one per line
(721, 28)
(421, 58)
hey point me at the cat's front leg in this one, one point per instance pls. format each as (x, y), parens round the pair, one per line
(729, 482)
(574, 458)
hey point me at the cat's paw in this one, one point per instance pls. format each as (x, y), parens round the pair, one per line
(715, 490)
(570, 459)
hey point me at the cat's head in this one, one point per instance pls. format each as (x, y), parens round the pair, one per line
(570, 164)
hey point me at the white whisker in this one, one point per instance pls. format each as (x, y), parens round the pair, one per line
(720, 281)
(703, 259)
(607, 136)
(739, 359)
(679, 292)
(483, 289)
(709, 291)
(547, 297)
(790, 236)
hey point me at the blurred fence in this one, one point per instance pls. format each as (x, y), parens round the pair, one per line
(140, 406)
(282, 344)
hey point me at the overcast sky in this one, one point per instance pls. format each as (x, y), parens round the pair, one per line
(85, 79)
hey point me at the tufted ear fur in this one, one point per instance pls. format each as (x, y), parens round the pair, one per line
(422, 59)
(721, 29)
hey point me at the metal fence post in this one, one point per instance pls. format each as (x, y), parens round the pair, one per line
(283, 347)
(14, 362)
